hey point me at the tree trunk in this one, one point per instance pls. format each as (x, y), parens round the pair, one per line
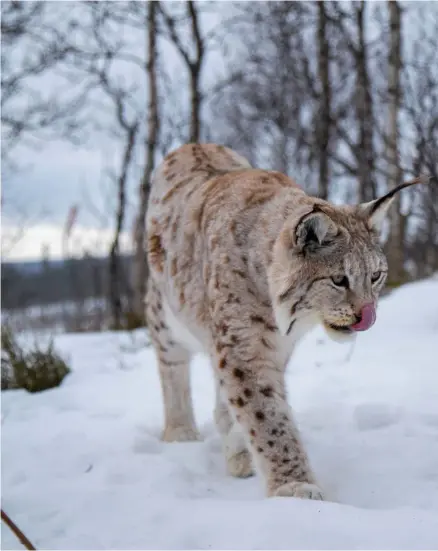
(324, 122)
(193, 63)
(395, 246)
(195, 72)
(364, 113)
(140, 258)
(115, 274)
(195, 105)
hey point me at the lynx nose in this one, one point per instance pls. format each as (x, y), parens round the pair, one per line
(367, 317)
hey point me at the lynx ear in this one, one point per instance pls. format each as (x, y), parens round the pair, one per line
(375, 211)
(313, 231)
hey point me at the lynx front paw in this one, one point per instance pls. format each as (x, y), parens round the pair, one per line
(180, 434)
(302, 490)
(240, 464)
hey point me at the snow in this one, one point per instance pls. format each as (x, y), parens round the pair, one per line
(83, 466)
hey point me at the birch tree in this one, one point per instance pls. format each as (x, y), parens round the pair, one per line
(140, 269)
(395, 245)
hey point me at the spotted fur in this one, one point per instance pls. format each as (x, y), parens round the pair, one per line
(241, 262)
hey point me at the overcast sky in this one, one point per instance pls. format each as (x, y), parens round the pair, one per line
(59, 175)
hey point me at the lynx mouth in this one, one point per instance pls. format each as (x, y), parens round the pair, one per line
(344, 329)
(365, 321)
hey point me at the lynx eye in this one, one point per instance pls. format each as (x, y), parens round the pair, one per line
(340, 281)
(376, 276)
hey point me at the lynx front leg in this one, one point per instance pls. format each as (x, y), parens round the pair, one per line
(256, 394)
(174, 366)
(237, 455)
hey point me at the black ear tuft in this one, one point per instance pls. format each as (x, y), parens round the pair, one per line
(375, 211)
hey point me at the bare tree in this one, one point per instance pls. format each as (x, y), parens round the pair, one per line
(114, 264)
(324, 118)
(127, 119)
(35, 42)
(87, 46)
(420, 115)
(364, 111)
(140, 263)
(395, 246)
(193, 63)
(302, 88)
(265, 112)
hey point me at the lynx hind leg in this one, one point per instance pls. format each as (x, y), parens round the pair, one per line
(174, 369)
(237, 455)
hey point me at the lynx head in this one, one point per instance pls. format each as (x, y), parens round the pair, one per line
(328, 264)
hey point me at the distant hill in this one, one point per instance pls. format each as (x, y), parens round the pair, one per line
(36, 266)
(31, 266)
(36, 282)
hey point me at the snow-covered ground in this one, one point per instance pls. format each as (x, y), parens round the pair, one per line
(83, 466)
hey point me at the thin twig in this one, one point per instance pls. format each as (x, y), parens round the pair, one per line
(23, 540)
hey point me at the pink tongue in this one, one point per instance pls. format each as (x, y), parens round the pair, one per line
(368, 317)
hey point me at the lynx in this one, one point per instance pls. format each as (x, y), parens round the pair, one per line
(242, 264)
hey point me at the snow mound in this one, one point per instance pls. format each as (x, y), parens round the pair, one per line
(83, 466)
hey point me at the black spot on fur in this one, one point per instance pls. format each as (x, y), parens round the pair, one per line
(260, 415)
(237, 372)
(257, 319)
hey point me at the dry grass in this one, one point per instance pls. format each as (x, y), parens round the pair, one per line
(35, 370)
